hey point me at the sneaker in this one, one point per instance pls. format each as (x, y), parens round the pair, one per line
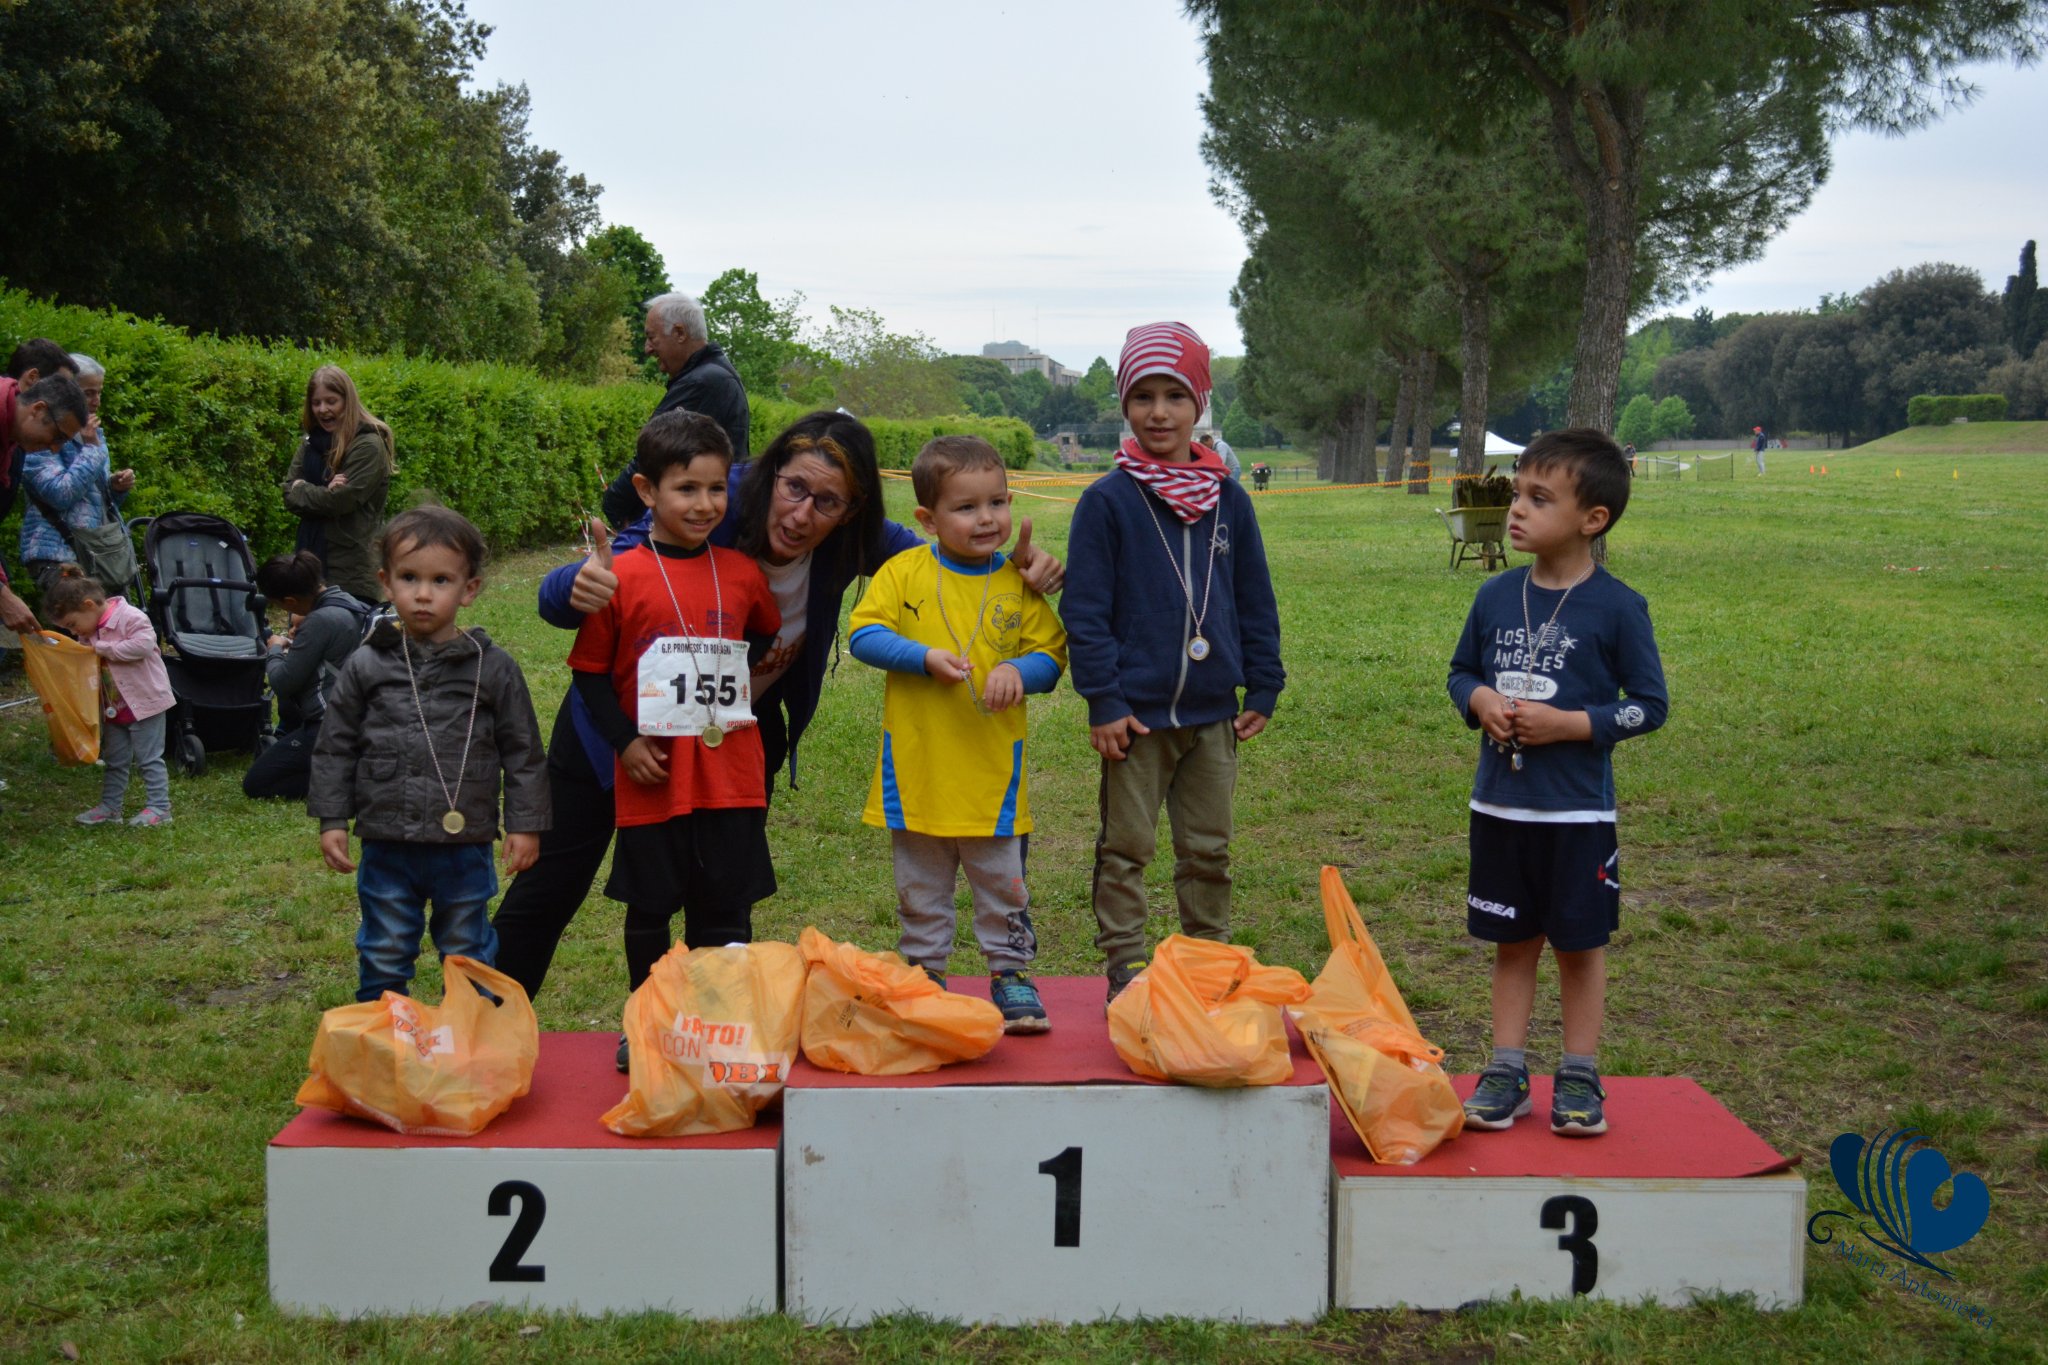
(1121, 975)
(625, 1058)
(1017, 998)
(99, 815)
(1501, 1097)
(1575, 1103)
(938, 976)
(149, 816)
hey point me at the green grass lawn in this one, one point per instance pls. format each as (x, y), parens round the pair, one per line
(1835, 918)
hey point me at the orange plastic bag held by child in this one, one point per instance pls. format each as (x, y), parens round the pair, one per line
(66, 675)
(711, 1033)
(1206, 1014)
(428, 1070)
(876, 1015)
(1387, 1078)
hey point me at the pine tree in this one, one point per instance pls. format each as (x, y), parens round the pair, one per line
(2026, 311)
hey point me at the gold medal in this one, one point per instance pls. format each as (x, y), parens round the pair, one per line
(453, 822)
(713, 736)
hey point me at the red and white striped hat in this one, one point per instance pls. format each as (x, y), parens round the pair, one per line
(1164, 348)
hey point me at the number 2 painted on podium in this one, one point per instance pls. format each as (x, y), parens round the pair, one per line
(533, 1207)
(1065, 1170)
(1579, 1241)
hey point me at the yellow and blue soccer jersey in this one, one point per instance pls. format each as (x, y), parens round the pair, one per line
(947, 768)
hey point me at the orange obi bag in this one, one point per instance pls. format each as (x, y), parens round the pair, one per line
(876, 1015)
(1206, 1013)
(440, 1070)
(1386, 1076)
(711, 1033)
(66, 675)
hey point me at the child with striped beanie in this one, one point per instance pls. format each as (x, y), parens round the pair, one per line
(1170, 615)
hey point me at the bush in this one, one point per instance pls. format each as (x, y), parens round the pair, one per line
(210, 425)
(897, 440)
(1938, 410)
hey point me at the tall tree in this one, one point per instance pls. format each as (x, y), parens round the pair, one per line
(1686, 130)
(2025, 306)
(762, 337)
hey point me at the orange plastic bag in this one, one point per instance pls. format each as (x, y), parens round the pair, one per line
(1206, 1013)
(1386, 1076)
(711, 1033)
(875, 1015)
(429, 1070)
(66, 675)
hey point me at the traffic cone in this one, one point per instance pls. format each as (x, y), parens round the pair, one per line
(1810, 469)
(1895, 474)
(1955, 474)
(1823, 469)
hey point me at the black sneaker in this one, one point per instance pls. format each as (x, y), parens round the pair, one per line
(1501, 1097)
(937, 975)
(1017, 998)
(1121, 974)
(625, 1054)
(1575, 1103)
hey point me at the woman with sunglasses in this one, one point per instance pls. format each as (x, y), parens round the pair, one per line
(809, 511)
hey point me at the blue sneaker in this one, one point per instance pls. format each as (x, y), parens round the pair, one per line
(1575, 1103)
(1501, 1097)
(1017, 998)
(938, 976)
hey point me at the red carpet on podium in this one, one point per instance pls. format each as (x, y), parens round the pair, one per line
(1659, 1128)
(575, 1081)
(1076, 1052)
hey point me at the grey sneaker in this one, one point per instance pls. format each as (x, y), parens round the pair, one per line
(625, 1057)
(1501, 1097)
(101, 814)
(1121, 974)
(150, 816)
(1575, 1109)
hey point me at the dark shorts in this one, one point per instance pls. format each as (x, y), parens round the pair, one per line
(1561, 882)
(709, 860)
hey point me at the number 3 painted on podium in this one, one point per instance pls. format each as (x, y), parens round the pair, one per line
(1579, 1241)
(1065, 1170)
(533, 1207)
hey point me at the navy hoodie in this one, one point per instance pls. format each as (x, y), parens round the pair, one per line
(1128, 620)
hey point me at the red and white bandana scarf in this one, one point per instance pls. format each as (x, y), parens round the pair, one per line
(1191, 490)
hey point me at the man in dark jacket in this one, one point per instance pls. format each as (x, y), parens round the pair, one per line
(700, 379)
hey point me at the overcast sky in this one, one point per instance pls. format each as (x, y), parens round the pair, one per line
(979, 171)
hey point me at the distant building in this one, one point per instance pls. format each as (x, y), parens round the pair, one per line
(1017, 358)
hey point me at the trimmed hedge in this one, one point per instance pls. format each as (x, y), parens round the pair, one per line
(1938, 410)
(210, 425)
(897, 440)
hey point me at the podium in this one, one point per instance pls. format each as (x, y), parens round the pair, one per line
(545, 1207)
(1678, 1198)
(1045, 1182)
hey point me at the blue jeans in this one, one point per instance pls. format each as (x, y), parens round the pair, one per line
(394, 882)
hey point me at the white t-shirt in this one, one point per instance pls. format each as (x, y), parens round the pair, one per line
(791, 584)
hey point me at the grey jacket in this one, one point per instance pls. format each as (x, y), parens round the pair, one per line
(372, 762)
(302, 669)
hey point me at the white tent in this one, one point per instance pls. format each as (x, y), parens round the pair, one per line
(1500, 445)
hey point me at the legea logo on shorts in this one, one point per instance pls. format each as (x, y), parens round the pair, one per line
(1486, 907)
(1892, 1180)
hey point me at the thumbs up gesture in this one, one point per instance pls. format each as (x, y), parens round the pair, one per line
(1043, 574)
(595, 582)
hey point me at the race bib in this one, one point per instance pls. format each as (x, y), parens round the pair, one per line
(689, 684)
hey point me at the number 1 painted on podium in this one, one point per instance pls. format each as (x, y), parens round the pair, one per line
(1065, 1170)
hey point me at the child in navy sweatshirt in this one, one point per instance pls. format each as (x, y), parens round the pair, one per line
(1557, 665)
(1169, 612)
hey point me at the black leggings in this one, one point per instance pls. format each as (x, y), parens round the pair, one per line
(542, 900)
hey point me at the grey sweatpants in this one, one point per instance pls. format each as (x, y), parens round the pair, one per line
(141, 744)
(925, 878)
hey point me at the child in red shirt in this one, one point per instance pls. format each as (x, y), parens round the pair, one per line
(663, 669)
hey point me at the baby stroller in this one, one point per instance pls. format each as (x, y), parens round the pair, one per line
(204, 604)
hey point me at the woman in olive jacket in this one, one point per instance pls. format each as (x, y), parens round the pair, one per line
(338, 482)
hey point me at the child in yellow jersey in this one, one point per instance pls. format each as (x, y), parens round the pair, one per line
(963, 640)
